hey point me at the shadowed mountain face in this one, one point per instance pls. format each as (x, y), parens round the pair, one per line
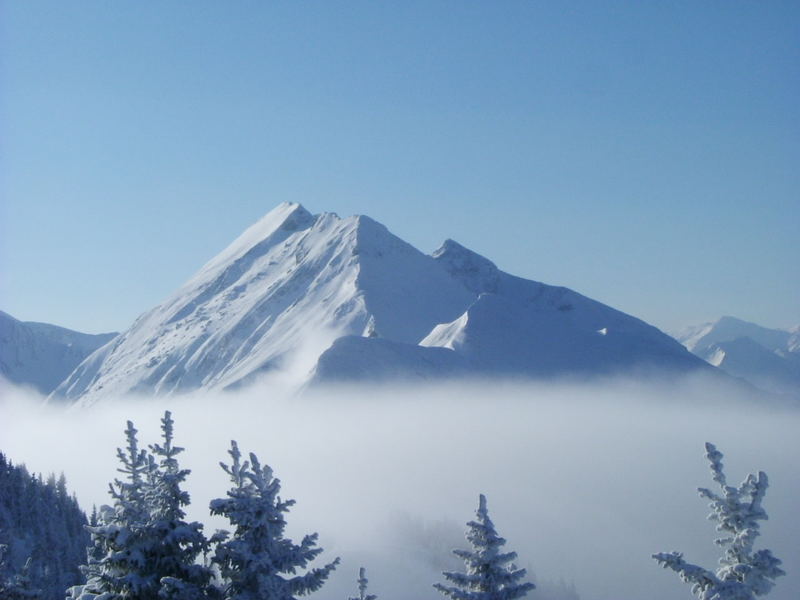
(42, 355)
(767, 358)
(292, 284)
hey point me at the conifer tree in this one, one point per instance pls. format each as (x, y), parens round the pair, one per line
(21, 585)
(743, 574)
(118, 573)
(142, 546)
(130, 506)
(488, 576)
(175, 545)
(256, 561)
(42, 535)
(362, 587)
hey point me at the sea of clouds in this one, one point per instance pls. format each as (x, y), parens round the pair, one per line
(585, 481)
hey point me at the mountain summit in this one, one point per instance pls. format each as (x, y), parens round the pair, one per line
(345, 299)
(767, 358)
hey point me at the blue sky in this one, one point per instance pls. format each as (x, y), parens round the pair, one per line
(644, 154)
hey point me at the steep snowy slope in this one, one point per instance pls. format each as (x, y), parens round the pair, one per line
(294, 283)
(767, 358)
(512, 327)
(525, 327)
(749, 360)
(289, 285)
(42, 355)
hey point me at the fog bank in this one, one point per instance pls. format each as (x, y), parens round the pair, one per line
(584, 481)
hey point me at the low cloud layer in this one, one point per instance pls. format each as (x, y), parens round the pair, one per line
(584, 481)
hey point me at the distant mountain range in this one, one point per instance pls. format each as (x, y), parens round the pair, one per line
(42, 355)
(767, 358)
(343, 299)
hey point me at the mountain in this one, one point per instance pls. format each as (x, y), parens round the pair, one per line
(42, 355)
(699, 338)
(344, 299)
(511, 327)
(767, 358)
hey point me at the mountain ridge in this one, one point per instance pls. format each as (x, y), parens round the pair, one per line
(767, 358)
(293, 283)
(41, 355)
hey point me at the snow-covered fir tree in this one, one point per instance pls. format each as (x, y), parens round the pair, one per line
(176, 545)
(488, 576)
(743, 574)
(143, 547)
(362, 587)
(118, 539)
(256, 561)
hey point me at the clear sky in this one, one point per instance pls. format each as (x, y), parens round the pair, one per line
(644, 154)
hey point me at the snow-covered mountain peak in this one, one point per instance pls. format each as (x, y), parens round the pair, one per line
(477, 273)
(452, 247)
(700, 337)
(280, 222)
(767, 358)
(291, 280)
(294, 282)
(406, 291)
(374, 239)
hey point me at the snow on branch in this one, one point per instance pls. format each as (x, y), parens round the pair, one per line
(743, 574)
